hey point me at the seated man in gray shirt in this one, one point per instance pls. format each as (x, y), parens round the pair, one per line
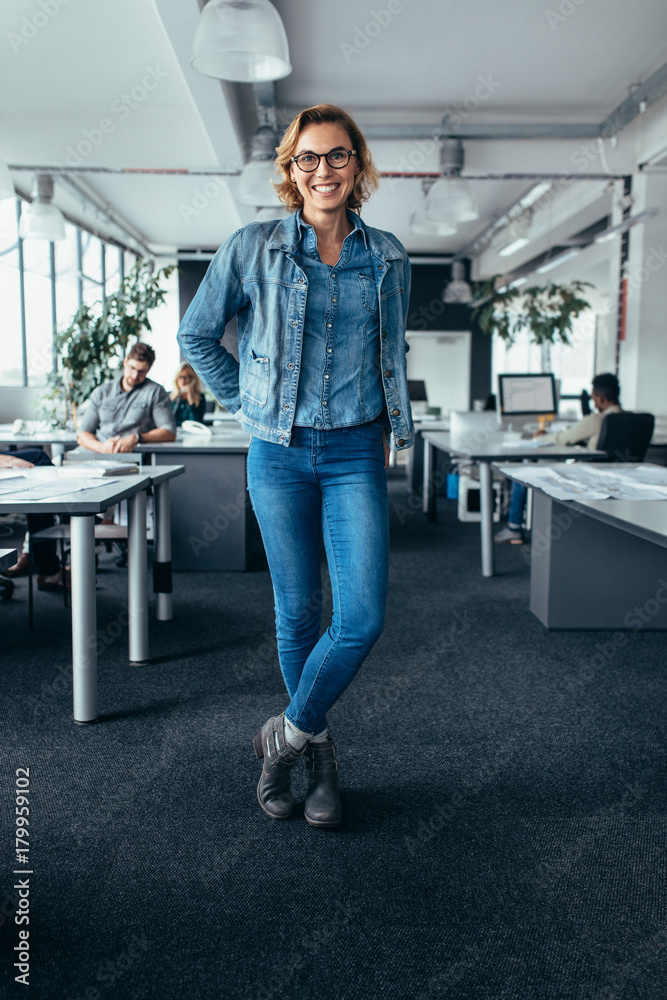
(129, 411)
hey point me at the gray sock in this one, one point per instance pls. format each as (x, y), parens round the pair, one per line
(294, 736)
(320, 738)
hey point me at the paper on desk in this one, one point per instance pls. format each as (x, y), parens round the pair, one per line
(525, 443)
(579, 482)
(46, 490)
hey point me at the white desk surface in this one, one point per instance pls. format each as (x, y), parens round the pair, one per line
(7, 558)
(645, 518)
(92, 501)
(492, 450)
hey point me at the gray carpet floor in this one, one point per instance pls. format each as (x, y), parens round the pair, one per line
(503, 787)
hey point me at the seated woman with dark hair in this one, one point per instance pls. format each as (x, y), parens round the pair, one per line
(187, 399)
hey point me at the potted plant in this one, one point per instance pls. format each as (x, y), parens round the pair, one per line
(97, 339)
(547, 312)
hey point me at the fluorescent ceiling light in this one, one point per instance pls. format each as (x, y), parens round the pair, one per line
(241, 40)
(535, 194)
(556, 261)
(622, 227)
(515, 245)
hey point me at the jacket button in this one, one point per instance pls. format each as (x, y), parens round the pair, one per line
(290, 365)
(294, 323)
(401, 442)
(300, 281)
(380, 266)
(384, 334)
(285, 406)
(389, 373)
(396, 413)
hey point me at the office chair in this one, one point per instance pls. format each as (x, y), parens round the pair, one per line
(585, 401)
(626, 436)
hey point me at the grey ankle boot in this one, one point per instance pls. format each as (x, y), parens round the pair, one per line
(322, 806)
(273, 791)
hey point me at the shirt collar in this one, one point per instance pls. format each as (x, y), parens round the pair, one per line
(304, 227)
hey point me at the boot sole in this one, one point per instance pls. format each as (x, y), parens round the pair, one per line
(323, 826)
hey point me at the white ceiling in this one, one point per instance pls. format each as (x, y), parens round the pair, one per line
(89, 66)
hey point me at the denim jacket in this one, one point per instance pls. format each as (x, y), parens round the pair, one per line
(254, 277)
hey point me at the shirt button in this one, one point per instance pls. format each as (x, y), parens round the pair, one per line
(324, 402)
(334, 300)
(396, 413)
(389, 373)
(328, 326)
(326, 376)
(329, 350)
(401, 442)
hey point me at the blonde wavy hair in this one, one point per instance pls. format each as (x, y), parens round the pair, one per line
(193, 388)
(366, 181)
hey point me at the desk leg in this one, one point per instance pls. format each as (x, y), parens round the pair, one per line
(137, 578)
(162, 579)
(486, 523)
(84, 618)
(429, 491)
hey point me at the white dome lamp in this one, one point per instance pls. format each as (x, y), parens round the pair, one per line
(40, 220)
(451, 198)
(241, 40)
(256, 187)
(422, 225)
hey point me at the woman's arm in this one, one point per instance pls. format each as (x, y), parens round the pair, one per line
(219, 298)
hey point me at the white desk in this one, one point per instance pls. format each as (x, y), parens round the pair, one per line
(82, 507)
(483, 454)
(599, 564)
(7, 558)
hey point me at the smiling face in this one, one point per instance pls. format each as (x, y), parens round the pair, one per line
(326, 189)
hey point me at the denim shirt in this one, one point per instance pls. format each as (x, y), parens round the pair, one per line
(255, 277)
(340, 383)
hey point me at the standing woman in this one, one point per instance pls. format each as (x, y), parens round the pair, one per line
(322, 302)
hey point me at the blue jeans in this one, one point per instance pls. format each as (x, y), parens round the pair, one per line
(517, 504)
(329, 484)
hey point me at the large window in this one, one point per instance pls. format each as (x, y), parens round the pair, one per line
(41, 287)
(573, 365)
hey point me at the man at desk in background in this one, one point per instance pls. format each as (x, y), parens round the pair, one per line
(128, 411)
(605, 394)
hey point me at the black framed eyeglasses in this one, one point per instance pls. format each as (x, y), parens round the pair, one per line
(336, 158)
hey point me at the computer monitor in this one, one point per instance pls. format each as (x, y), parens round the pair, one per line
(417, 391)
(521, 395)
